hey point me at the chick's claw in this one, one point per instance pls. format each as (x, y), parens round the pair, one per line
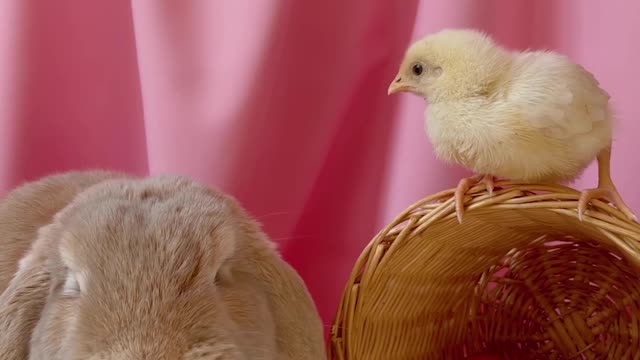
(608, 193)
(488, 181)
(463, 187)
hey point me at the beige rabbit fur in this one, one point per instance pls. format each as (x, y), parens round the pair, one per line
(102, 266)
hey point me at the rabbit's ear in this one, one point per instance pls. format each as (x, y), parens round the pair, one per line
(298, 324)
(21, 305)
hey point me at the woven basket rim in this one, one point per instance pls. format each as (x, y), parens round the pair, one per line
(508, 195)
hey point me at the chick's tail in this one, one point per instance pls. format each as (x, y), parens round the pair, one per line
(606, 189)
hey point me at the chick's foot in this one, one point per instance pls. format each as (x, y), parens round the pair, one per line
(608, 193)
(463, 187)
(606, 190)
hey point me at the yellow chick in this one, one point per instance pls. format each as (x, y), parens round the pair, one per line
(531, 116)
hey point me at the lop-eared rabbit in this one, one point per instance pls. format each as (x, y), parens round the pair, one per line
(98, 265)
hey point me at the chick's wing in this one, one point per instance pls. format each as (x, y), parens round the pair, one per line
(554, 95)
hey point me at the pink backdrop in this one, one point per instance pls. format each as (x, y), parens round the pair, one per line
(282, 103)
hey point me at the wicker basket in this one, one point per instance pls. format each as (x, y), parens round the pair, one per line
(521, 278)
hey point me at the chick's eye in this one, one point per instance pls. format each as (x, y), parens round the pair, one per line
(417, 69)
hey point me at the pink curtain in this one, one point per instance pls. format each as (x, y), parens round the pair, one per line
(282, 103)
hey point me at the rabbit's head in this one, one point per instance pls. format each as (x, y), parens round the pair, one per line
(146, 269)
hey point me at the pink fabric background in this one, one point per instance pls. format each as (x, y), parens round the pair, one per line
(282, 103)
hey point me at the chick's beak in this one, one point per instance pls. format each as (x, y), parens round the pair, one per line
(398, 86)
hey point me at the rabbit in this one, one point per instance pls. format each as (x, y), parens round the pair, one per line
(99, 265)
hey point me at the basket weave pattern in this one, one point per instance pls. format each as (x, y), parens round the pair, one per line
(521, 277)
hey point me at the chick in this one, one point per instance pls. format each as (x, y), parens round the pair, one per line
(531, 116)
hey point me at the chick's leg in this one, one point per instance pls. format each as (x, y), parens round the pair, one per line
(463, 187)
(606, 190)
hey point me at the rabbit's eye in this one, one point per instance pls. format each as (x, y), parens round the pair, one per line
(71, 285)
(223, 275)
